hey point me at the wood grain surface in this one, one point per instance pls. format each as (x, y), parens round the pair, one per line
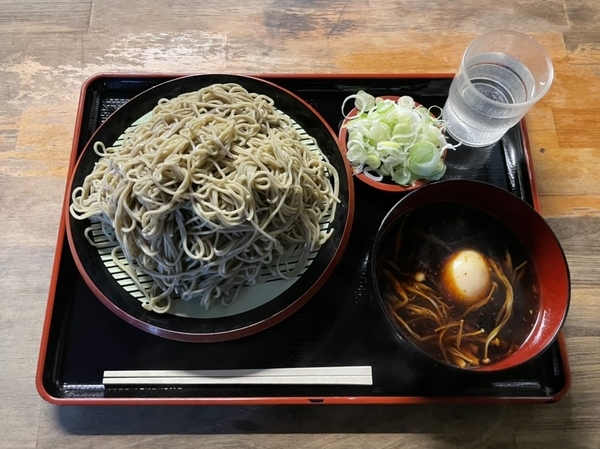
(49, 47)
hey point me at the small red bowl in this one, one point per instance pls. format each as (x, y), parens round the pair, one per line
(533, 237)
(387, 185)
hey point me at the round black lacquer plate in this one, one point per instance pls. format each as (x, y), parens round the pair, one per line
(258, 309)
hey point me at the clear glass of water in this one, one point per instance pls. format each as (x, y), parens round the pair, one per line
(501, 76)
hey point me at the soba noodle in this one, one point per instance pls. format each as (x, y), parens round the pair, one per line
(215, 188)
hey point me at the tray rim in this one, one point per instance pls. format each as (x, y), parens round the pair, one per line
(267, 400)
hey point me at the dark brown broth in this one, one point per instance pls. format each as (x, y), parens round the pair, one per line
(426, 237)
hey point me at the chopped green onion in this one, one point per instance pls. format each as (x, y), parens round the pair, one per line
(406, 102)
(423, 158)
(379, 132)
(400, 139)
(385, 106)
(373, 160)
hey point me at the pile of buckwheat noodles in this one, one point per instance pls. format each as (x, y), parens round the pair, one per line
(215, 188)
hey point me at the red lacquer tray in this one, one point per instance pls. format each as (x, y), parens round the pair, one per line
(341, 326)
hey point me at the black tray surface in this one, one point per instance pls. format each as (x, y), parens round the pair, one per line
(341, 326)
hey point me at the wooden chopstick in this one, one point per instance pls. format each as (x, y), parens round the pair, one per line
(343, 375)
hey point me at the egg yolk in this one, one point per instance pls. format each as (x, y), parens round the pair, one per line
(466, 276)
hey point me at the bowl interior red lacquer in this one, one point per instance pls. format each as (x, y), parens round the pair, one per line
(538, 239)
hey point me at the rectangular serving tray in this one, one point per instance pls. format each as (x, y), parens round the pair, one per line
(342, 325)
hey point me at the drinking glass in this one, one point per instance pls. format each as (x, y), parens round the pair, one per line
(501, 76)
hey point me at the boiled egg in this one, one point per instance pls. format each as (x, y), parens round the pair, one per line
(466, 276)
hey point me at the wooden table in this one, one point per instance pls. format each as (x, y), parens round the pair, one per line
(48, 48)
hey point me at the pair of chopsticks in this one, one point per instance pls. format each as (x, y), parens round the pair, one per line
(334, 375)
